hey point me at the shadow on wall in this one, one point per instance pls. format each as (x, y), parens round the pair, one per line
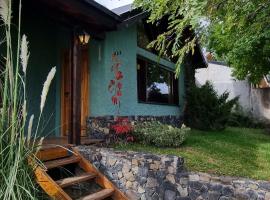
(265, 98)
(260, 101)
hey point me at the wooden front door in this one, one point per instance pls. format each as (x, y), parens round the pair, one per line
(66, 94)
(84, 88)
(66, 89)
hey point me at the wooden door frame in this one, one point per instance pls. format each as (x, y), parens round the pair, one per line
(76, 70)
(84, 88)
(65, 68)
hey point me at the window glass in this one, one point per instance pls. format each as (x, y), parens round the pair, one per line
(156, 84)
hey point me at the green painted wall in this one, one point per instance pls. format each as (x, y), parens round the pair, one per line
(124, 40)
(46, 42)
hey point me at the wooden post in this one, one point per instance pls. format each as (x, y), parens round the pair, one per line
(70, 134)
(76, 93)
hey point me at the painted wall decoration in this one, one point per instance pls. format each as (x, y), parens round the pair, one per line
(115, 85)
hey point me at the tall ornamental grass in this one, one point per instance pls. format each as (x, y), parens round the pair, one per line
(18, 137)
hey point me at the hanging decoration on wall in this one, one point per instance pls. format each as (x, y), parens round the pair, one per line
(115, 85)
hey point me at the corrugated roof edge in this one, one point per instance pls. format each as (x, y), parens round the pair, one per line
(122, 9)
(127, 12)
(103, 9)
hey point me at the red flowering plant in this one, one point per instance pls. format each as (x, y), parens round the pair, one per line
(123, 130)
(115, 85)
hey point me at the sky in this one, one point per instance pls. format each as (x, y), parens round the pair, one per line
(111, 4)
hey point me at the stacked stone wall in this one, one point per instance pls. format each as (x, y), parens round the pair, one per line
(146, 176)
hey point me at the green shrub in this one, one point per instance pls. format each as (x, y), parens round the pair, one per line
(240, 118)
(243, 120)
(206, 110)
(158, 134)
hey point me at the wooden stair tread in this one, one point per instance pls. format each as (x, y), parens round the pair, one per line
(51, 146)
(76, 179)
(98, 195)
(61, 162)
(53, 153)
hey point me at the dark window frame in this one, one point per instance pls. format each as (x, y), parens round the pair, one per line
(142, 80)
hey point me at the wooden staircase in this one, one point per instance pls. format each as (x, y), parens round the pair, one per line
(61, 158)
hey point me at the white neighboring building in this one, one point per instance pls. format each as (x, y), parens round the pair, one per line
(253, 100)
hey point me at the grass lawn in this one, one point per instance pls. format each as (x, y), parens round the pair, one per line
(235, 152)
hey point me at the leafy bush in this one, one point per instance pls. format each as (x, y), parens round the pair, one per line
(206, 110)
(242, 120)
(239, 118)
(160, 134)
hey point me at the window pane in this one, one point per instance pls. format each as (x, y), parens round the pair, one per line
(157, 84)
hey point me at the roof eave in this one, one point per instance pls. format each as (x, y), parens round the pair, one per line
(126, 21)
(104, 10)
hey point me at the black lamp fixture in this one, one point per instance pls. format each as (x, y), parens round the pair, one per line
(84, 37)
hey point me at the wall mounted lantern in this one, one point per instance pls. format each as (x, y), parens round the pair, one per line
(84, 38)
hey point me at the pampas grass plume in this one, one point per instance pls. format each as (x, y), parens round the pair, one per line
(38, 147)
(4, 9)
(24, 53)
(24, 112)
(40, 142)
(46, 87)
(30, 125)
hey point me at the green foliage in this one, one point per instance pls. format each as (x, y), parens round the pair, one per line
(240, 34)
(239, 118)
(243, 120)
(237, 31)
(160, 134)
(206, 110)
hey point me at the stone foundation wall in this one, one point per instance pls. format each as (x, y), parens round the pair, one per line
(147, 176)
(99, 127)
